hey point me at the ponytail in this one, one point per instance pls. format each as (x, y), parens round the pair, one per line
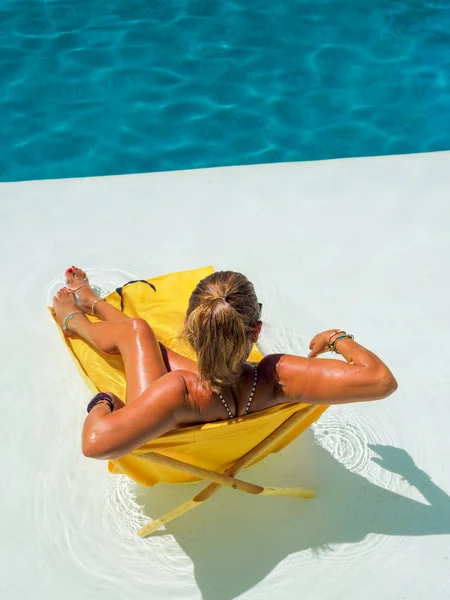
(223, 311)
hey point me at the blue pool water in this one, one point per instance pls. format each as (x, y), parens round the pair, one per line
(89, 87)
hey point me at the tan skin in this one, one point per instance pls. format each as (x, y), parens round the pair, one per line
(162, 386)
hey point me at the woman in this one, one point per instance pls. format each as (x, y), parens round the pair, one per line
(165, 389)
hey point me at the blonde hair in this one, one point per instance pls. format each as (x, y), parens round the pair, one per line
(223, 311)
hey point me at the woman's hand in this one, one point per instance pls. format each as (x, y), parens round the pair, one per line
(319, 343)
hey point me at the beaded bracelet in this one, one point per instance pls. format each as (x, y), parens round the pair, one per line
(101, 397)
(67, 319)
(329, 345)
(341, 337)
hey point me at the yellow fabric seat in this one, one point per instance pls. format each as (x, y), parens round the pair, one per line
(213, 446)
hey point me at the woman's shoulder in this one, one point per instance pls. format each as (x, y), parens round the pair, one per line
(277, 369)
(268, 365)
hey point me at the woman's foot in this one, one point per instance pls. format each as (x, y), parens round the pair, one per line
(78, 283)
(64, 304)
(102, 336)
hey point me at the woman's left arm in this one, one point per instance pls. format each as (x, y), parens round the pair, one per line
(110, 435)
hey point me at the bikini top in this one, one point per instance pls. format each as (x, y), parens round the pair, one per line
(249, 399)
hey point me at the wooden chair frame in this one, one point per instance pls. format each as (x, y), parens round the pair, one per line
(227, 479)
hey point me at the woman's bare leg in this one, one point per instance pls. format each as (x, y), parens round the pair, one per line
(133, 339)
(78, 283)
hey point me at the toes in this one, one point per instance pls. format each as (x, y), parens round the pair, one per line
(79, 273)
(63, 292)
(69, 274)
(74, 272)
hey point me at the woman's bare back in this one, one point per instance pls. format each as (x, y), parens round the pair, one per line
(205, 406)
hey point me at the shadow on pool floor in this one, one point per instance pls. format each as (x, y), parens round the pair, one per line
(235, 540)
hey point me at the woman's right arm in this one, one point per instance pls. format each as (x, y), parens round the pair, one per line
(361, 378)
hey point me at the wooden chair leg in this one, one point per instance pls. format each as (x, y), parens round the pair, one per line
(149, 528)
(226, 480)
(211, 489)
(170, 516)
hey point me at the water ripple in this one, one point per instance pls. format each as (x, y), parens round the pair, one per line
(347, 437)
(103, 279)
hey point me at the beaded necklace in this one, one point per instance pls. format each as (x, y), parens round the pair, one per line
(249, 399)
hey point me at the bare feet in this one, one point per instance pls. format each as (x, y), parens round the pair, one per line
(64, 305)
(78, 283)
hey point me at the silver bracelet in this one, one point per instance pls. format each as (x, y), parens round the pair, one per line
(94, 303)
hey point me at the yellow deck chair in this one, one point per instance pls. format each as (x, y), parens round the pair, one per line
(214, 452)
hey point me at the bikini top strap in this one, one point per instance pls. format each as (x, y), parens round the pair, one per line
(255, 380)
(252, 393)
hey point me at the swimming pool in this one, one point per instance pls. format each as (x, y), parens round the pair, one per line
(100, 88)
